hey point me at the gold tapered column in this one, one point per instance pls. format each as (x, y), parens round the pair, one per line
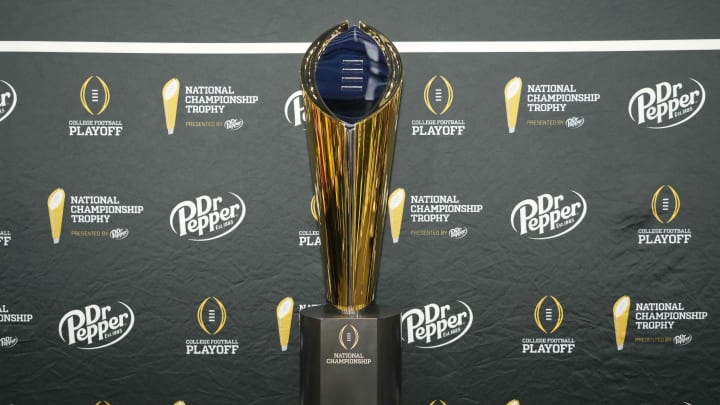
(621, 313)
(350, 165)
(170, 94)
(513, 91)
(284, 313)
(56, 207)
(396, 205)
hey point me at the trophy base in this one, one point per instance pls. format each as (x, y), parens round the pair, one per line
(350, 359)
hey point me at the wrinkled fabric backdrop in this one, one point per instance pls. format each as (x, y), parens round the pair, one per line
(595, 149)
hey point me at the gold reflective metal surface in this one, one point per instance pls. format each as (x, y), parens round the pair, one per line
(351, 165)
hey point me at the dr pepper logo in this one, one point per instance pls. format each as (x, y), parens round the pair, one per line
(207, 218)
(8, 99)
(548, 216)
(94, 326)
(666, 104)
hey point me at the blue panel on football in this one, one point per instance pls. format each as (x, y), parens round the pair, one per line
(352, 75)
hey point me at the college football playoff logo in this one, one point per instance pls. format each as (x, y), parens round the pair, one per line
(438, 95)
(349, 337)
(549, 315)
(665, 204)
(95, 95)
(211, 314)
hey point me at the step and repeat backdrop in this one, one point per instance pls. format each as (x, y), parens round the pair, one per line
(552, 237)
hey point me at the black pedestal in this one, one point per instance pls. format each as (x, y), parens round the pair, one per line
(350, 359)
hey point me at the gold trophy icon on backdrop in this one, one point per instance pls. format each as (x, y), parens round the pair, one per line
(56, 207)
(621, 313)
(396, 204)
(513, 91)
(170, 95)
(284, 313)
(351, 78)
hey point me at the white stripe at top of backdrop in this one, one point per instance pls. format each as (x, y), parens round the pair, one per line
(270, 48)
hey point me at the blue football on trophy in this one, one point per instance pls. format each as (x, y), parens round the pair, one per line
(352, 75)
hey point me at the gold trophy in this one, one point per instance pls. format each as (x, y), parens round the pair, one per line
(351, 78)
(351, 140)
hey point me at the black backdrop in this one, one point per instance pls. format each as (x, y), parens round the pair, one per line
(615, 164)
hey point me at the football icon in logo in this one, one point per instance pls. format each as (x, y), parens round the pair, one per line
(549, 314)
(665, 204)
(349, 337)
(438, 95)
(95, 95)
(211, 315)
